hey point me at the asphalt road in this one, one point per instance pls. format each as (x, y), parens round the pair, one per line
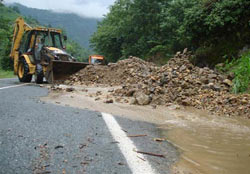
(38, 137)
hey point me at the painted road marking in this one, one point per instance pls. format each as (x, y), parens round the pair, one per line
(127, 147)
(14, 86)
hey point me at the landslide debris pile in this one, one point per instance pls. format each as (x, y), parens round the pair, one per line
(128, 71)
(179, 81)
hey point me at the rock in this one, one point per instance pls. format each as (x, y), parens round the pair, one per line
(84, 90)
(231, 76)
(118, 100)
(204, 80)
(142, 99)
(182, 68)
(153, 106)
(174, 107)
(67, 82)
(185, 51)
(185, 102)
(228, 82)
(111, 90)
(217, 88)
(244, 101)
(130, 93)
(212, 76)
(108, 101)
(133, 101)
(98, 93)
(220, 65)
(163, 81)
(97, 98)
(70, 89)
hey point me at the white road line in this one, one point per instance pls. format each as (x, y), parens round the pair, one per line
(127, 147)
(14, 86)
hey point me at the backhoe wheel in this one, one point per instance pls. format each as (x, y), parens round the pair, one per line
(39, 74)
(23, 71)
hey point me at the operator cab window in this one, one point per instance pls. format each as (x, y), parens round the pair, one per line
(94, 60)
(56, 39)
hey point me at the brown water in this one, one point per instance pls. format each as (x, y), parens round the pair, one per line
(209, 144)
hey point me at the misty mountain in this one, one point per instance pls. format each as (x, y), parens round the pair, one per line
(77, 28)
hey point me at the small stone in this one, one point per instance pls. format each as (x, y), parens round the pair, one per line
(130, 93)
(212, 76)
(244, 101)
(228, 82)
(153, 106)
(70, 89)
(108, 101)
(133, 101)
(231, 76)
(111, 90)
(185, 51)
(185, 102)
(66, 82)
(204, 80)
(97, 98)
(182, 68)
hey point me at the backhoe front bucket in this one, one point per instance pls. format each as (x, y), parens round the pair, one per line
(59, 71)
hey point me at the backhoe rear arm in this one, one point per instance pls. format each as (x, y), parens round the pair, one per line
(20, 28)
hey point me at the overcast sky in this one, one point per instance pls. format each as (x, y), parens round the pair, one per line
(89, 8)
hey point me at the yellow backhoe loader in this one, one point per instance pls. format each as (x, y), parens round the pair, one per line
(39, 51)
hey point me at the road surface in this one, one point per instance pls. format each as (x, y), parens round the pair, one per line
(38, 137)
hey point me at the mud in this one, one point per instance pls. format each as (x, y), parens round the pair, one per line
(207, 144)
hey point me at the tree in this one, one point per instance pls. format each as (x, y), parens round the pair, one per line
(210, 28)
(5, 44)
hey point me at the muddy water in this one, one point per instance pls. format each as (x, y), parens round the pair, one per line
(209, 144)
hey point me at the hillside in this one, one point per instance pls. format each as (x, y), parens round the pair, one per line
(78, 28)
(7, 18)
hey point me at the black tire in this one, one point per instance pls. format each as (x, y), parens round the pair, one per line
(39, 74)
(23, 71)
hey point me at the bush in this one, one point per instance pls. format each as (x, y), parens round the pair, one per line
(242, 74)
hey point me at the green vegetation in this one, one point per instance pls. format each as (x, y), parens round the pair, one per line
(158, 28)
(241, 69)
(6, 17)
(81, 54)
(6, 74)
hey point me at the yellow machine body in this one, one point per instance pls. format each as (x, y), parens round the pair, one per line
(51, 61)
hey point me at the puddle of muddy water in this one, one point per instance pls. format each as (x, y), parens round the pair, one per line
(209, 144)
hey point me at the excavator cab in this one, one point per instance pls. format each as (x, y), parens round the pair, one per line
(39, 51)
(96, 59)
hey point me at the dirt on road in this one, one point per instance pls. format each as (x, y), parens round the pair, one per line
(207, 144)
